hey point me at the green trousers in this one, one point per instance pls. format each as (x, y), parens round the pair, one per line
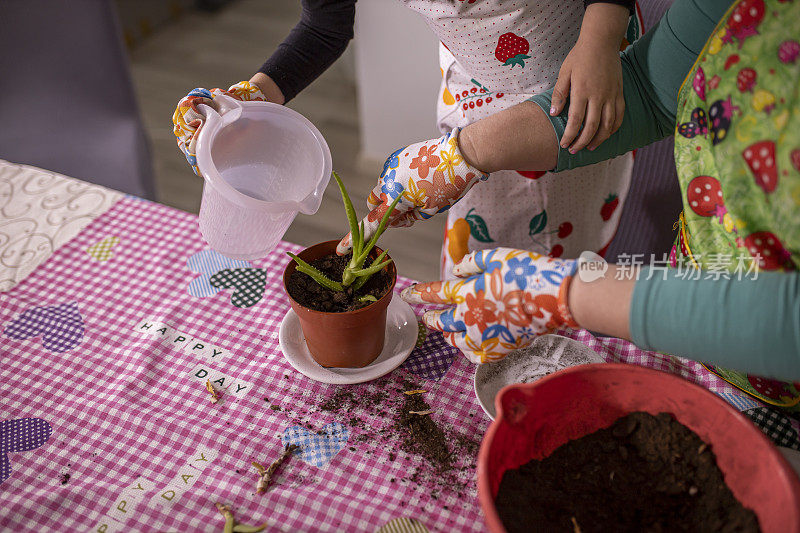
(653, 69)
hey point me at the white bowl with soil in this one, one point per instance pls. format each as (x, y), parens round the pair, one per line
(546, 355)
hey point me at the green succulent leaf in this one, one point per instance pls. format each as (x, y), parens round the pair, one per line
(347, 277)
(378, 232)
(380, 257)
(357, 251)
(359, 282)
(242, 528)
(349, 210)
(372, 269)
(315, 274)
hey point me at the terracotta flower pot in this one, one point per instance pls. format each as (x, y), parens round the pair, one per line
(351, 339)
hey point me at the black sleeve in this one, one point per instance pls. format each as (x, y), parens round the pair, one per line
(318, 40)
(624, 3)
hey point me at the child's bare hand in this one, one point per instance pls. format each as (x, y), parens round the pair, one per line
(591, 78)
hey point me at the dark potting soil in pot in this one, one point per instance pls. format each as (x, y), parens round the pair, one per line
(311, 294)
(644, 473)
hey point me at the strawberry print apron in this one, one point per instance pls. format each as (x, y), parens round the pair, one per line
(737, 151)
(495, 54)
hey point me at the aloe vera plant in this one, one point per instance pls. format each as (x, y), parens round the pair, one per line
(355, 274)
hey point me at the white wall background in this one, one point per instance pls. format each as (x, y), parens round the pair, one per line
(397, 76)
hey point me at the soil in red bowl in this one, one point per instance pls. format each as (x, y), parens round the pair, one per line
(311, 294)
(644, 473)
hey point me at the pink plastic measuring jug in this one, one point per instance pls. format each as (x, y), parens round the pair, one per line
(262, 163)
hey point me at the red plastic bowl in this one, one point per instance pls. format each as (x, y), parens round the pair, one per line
(536, 418)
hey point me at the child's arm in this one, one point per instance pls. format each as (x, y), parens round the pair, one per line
(752, 325)
(318, 40)
(653, 69)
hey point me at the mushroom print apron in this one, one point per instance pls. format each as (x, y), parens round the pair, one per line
(737, 151)
(495, 54)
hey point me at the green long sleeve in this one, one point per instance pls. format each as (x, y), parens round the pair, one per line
(653, 70)
(751, 325)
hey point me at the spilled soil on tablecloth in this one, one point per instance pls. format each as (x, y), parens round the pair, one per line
(446, 455)
(644, 473)
(421, 435)
(311, 294)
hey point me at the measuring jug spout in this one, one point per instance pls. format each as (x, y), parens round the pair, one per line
(310, 204)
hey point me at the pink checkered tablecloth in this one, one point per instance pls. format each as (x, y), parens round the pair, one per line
(106, 348)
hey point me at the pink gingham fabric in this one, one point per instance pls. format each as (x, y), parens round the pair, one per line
(136, 444)
(129, 420)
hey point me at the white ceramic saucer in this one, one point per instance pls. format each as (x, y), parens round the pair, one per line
(401, 337)
(547, 354)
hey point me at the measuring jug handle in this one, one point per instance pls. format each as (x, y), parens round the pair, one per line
(230, 109)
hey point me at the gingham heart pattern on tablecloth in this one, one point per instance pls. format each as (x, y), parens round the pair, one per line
(741, 401)
(207, 263)
(403, 525)
(776, 425)
(433, 358)
(20, 435)
(247, 283)
(317, 448)
(61, 326)
(103, 250)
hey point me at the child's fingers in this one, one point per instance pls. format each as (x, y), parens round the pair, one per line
(481, 261)
(609, 120)
(591, 123)
(577, 110)
(606, 126)
(467, 266)
(373, 220)
(560, 93)
(200, 96)
(199, 91)
(370, 226)
(457, 339)
(434, 292)
(403, 221)
(374, 197)
(345, 245)
(619, 113)
(205, 101)
(441, 320)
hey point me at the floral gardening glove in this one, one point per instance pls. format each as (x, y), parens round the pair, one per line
(431, 176)
(509, 297)
(188, 118)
